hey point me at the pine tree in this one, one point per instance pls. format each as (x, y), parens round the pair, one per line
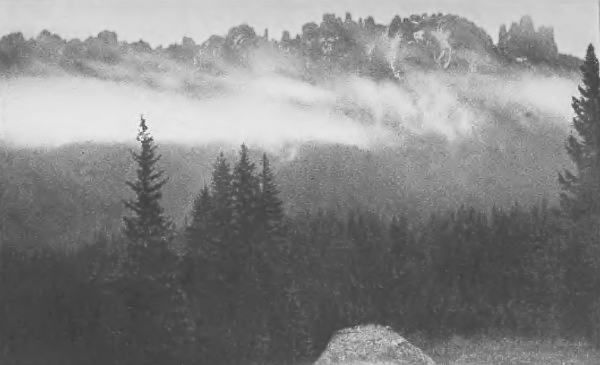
(149, 225)
(214, 271)
(222, 199)
(271, 206)
(199, 236)
(148, 284)
(581, 190)
(270, 240)
(199, 231)
(221, 248)
(273, 259)
(245, 188)
(581, 196)
(248, 248)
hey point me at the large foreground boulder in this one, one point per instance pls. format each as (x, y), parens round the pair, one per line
(373, 345)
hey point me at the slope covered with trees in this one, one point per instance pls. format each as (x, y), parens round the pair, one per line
(244, 282)
(265, 267)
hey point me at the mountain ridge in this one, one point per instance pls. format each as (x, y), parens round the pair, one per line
(437, 41)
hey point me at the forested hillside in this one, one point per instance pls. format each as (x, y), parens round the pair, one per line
(146, 252)
(246, 282)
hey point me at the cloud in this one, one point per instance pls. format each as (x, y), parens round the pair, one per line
(53, 111)
(272, 109)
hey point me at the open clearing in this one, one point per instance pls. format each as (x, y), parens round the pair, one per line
(509, 351)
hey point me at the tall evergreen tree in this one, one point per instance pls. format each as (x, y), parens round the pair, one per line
(220, 244)
(274, 255)
(212, 266)
(581, 190)
(245, 198)
(222, 199)
(271, 206)
(154, 306)
(248, 249)
(199, 231)
(148, 225)
(199, 236)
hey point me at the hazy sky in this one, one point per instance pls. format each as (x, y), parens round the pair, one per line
(575, 22)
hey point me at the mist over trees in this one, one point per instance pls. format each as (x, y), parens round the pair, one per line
(245, 282)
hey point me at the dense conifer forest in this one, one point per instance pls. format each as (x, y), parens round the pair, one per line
(244, 282)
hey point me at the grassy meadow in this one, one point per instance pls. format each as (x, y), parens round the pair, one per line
(508, 351)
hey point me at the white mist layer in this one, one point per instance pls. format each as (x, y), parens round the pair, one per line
(56, 111)
(272, 111)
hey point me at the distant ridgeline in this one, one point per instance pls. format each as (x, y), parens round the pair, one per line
(346, 46)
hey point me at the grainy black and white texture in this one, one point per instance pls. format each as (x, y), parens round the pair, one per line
(301, 168)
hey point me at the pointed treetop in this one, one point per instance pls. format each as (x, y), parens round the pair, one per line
(143, 126)
(590, 50)
(148, 222)
(591, 61)
(143, 134)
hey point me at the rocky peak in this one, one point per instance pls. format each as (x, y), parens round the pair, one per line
(184, 52)
(241, 36)
(524, 42)
(108, 38)
(46, 36)
(140, 46)
(188, 43)
(526, 25)
(213, 47)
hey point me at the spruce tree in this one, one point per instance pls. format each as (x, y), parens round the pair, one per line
(222, 200)
(222, 249)
(581, 190)
(245, 198)
(198, 236)
(271, 206)
(148, 225)
(274, 252)
(219, 266)
(248, 249)
(198, 232)
(154, 304)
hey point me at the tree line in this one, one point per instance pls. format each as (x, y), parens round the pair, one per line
(245, 282)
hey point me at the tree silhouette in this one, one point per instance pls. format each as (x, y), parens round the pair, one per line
(271, 206)
(148, 224)
(581, 190)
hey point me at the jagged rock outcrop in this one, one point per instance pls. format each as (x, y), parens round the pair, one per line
(371, 344)
(443, 41)
(213, 47)
(140, 46)
(209, 54)
(332, 47)
(523, 43)
(108, 38)
(238, 42)
(186, 52)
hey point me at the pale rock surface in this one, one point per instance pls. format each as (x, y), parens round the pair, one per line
(371, 344)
